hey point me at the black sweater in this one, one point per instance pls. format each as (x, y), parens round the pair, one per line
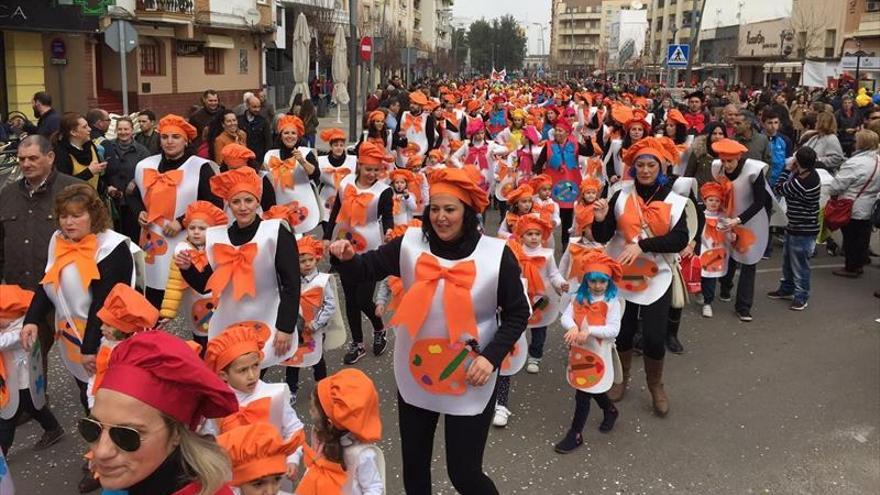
(375, 265)
(672, 242)
(115, 268)
(204, 192)
(286, 270)
(385, 209)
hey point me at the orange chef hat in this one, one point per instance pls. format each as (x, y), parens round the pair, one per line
(598, 261)
(712, 190)
(472, 106)
(431, 105)
(236, 155)
(332, 134)
(526, 223)
(591, 184)
(652, 146)
(14, 301)
(437, 155)
(415, 161)
(127, 310)
(539, 181)
(402, 173)
(235, 341)
(257, 450)
(309, 245)
(455, 144)
(232, 182)
(522, 192)
(293, 121)
(206, 211)
(376, 116)
(401, 229)
(676, 116)
(418, 98)
(621, 114)
(371, 153)
(461, 184)
(351, 403)
(175, 124)
(728, 149)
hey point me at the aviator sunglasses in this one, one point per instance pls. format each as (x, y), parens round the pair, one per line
(124, 437)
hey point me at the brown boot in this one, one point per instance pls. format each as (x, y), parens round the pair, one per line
(617, 390)
(654, 375)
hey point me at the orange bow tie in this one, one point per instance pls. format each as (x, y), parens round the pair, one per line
(199, 259)
(235, 265)
(412, 122)
(256, 412)
(282, 172)
(322, 476)
(712, 233)
(81, 254)
(309, 301)
(531, 269)
(161, 196)
(595, 313)
(101, 363)
(656, 216)
(729, 201)
(583, 216)
(354, 206)
(396, 286)
(338, 174)
(576, 254)
(416, 302)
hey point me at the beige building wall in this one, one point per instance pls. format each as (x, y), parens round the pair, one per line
(69, 92)
(662, 14)
(818, 27)
(191, 75)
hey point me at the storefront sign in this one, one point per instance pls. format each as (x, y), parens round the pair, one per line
(190, 48)
(46, 15)
(866, 64)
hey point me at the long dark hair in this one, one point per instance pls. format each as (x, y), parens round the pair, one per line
(708, 130)
(307, 110)
(681, 133)
(215, 128)
(470, 223)
(329, 436)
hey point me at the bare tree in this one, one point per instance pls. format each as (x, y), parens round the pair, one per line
(809, 24)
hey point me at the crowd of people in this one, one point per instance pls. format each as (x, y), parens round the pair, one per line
(232, 222)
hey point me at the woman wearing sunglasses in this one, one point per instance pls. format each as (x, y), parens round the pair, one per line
(141, 431)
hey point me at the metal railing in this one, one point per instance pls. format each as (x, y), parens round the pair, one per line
(167, 6)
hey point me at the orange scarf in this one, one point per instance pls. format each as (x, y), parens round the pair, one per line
(235, 265)
(398, 205)
(354, 206)
(594, 312)
(322, 477)
(310, 301)
(583, 216)
(396, 286)
(338, 174)
(256, 412)
(729, 201)
(161, 196)
(199, 259)
(282, 172)
(81, 253)
(457, 303)
(656, 216)
(412, 122)
(531, 269)
(544, 210)
(712, 233)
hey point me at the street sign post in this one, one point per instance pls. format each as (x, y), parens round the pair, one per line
(366, 48)
(677, 56)
(121, 37)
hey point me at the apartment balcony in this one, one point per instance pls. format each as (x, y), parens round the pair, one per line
(170, 11)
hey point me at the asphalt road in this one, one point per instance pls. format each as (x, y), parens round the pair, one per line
(787, 404)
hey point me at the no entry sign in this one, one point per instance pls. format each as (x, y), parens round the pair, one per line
(366, 48)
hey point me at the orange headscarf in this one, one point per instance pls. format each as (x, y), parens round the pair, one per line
(402, 173)
(232, 182)
(522, 192)
(663, 149)
(175, 124)
(349, 400)
(376, 116)
(539, 181)
(418, 98)
(674, 115)
(292, 121)
(598, 261)
(728, 149)
(280, 212)
(526, 223)
(235, 341)
(712, 190)
(236, 155)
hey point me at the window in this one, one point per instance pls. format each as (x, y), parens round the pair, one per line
(830, 41)
(802, 44)
(279, 16)
(213, 61)
(242, 61)
(151, 57)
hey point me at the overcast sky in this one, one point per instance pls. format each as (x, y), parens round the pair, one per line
(531, 11)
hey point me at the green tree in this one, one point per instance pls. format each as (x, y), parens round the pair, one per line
(459, 47)
(501, 43)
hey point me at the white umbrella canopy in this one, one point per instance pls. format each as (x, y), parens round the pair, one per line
(301, 41)
(340, 67)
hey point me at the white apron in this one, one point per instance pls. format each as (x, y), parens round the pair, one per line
(72, 303)
(368, 236)
(684, 187)
(312, 347)
(430, 372)
(302, 198)
(743, 197)
(327, 190)
(13, 373)
(506, 176)
(420, 138)
(197, 309)
(546, 312)
(591, 366)
(159, 249)
(261, 310)
(714, 256)
(648, 278)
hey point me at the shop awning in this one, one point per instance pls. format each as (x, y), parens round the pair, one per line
(783, 67)
(219, 41)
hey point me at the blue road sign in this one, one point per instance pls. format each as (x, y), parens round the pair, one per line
(677, 55)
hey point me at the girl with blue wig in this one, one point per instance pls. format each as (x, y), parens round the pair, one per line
(592, 322)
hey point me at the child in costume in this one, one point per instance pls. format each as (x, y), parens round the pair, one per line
(345, 459)
(418, 188)
(592, 322)
(405, 207)
(125, 312)
(541, 275)
(583, 208)
(259, 457)
(16, 396)
(714, 243)
(235, 356)
(318, 307)
(520, 202)
(544, 205)
(197, 308)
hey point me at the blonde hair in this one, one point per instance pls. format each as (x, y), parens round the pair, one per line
(202, 458)
(867, 140)
(826, 123)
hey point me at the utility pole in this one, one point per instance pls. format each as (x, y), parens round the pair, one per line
(695, 37)
(353, 46)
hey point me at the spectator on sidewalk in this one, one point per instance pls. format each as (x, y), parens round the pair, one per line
(310, 120)
(696, 115)
(148, 137)
(267, 109)
(242, 107)
(848, 123)
(76, 154)
(823, 140)
(257, 129)
(224, 130)
(202, 117)
(48, 119)
(780, 145)
(757, 144)
(121, 163)
(799, 184)
(99, 121)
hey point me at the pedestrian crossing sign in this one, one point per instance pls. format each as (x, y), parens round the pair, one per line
(677, 55)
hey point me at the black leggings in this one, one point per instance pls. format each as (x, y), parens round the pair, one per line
(582, 407)
(291, 375)
(359, 299)
(43, 416)
(856, 239)
(654, 319)
(566, 215)
(465, 443)
(503, 392)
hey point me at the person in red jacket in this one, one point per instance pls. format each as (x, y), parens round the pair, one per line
(696, 115)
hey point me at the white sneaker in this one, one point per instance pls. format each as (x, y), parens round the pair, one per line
(533, 365)
(707, 311)
(501, 415)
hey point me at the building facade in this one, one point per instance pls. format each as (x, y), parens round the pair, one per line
(575, 32)
(669, 22)
(627, 40)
